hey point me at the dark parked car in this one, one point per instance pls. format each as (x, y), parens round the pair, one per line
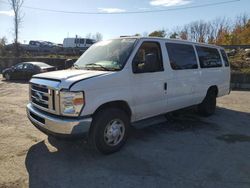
(26, 70)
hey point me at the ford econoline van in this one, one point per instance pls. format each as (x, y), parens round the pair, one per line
(118, 82)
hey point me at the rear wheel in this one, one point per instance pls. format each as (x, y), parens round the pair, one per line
(109, 130)
(208, 105)
(7, 76)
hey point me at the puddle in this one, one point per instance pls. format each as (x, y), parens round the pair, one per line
(233, 138)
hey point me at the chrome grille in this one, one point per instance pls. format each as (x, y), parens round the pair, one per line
(42, 97)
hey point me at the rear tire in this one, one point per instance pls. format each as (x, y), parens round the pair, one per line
(7, 76)
(208, 105)
(109, 130)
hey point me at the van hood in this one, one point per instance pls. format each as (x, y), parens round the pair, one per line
(68, 77)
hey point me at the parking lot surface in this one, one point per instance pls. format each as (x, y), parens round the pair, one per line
(184, 151)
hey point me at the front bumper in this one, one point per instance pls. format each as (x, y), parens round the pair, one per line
(55, 125)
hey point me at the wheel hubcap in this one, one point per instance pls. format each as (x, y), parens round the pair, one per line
(114, 132)
(7, 76)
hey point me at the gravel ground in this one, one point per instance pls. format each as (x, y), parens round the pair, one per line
(188, 151)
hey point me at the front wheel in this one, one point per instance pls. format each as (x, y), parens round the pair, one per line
(109, 130)
(208, 105)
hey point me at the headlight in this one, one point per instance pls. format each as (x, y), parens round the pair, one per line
(71, 103)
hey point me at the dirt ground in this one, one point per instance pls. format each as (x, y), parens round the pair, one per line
(188, 151)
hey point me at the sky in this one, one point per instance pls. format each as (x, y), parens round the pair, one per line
(55, 26)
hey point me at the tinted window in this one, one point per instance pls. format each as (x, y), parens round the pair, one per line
(19, 66)
(148, 58)
(27, 66)
(181, 56)
(208, 57)
(77, 41)
(82, 41)
(224, 57)
(89, 41)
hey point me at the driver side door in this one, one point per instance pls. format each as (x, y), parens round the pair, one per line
(148, 81)
(18, 71)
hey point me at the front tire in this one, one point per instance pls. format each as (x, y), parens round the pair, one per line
(208, 105)
(109, 130)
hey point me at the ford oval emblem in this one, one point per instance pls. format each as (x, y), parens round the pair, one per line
(38, 97)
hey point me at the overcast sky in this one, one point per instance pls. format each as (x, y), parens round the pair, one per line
(52, 26)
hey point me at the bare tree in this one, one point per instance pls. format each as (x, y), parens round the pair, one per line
(241, 20)
(3, 41)
(199, 31)
(98, 36)
(184, 33)
(145, 34)
(216, 28)
(16, 7)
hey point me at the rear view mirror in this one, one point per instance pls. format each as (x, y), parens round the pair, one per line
(68, 63)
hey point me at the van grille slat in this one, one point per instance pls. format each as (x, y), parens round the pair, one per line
(40, 101)
(43, 89)
(33, 90)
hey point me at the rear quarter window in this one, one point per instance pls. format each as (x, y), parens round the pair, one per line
(181, 56)
(208, 57)
(224, 57)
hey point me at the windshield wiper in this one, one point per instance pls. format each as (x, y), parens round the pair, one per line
(96, 64)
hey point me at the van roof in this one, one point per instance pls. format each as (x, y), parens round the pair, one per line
(174, 40)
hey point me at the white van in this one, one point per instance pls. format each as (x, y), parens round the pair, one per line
(119, 82)
(77, 42)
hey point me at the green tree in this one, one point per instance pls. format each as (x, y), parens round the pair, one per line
(158, 33)
(173, 35)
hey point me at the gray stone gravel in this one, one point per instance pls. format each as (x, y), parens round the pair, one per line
(188, 151)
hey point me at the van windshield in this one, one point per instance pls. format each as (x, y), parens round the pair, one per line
(109, 55)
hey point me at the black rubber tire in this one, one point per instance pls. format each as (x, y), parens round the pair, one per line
(100, 121)
(7, 76)
(208, 105)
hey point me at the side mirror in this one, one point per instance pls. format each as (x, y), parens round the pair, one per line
(68, 63)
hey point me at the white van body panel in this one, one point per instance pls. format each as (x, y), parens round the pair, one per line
(147, 94)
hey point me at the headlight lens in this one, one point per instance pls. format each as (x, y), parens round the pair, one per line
(71, 103)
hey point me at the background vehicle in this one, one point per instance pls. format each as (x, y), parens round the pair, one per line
(26, 70)
(118, 82)
(77, 42)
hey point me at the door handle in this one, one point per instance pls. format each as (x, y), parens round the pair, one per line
(165, 86)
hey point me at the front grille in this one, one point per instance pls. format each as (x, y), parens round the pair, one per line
(42, 97)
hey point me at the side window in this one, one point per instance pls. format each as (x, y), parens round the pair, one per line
(81, 41)
(19, 66)
(25, 66)
(28, 66)
(77, 41)
(208, 57)
(181, 56)
(148, 58)
(89, 41)
(224, 57)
